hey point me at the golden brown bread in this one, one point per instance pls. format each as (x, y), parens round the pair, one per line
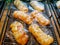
(18, 32)
(40, 18)
(20, 6)
(23, 16)
(40, 36)
(37, 6)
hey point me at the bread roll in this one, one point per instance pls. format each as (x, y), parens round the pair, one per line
(40, 18)
(20, 6)
(18, 32)
(40, 36)
(23, 16)
(37, 6)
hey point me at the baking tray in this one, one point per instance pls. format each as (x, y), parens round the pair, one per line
(56, 15)
(8, 39)
(2, 3)
(56, 10)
